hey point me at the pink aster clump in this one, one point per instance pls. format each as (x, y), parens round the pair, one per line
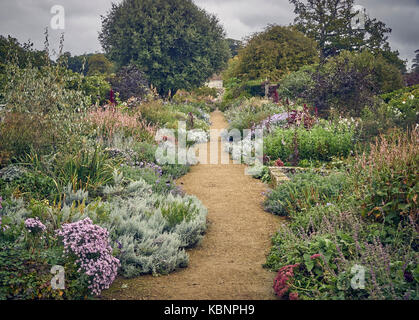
(284, 279)
(90, 244)
(35, 225)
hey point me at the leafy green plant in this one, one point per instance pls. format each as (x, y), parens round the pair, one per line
(304, 191)
(322, 142)
(86, 170)
(177, 212)
(387, 178)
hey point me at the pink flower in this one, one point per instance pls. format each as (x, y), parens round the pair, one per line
(284, 279)
(315, 256)
(90, 243)
(293, 296)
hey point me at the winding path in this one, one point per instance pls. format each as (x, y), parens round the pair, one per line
(228, 263)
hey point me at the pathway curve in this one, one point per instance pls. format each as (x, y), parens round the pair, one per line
(228, 263)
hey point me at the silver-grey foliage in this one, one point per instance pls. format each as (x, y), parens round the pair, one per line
(148, 243)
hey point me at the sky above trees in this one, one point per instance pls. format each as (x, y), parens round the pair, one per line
(27, 19)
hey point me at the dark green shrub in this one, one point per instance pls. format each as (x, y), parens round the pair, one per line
(130, 82)
(350, 81)
(32, 184)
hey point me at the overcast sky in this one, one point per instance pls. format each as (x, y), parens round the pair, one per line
(27, 19)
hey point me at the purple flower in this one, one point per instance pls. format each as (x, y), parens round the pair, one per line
(35, 225)
(90, 244)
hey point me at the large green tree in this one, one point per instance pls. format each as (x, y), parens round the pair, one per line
(235, 46)
(331, 23)
(273, 53)
(176, 44)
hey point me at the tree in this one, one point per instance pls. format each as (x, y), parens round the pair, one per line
(24, 55)
(412, 78)
(415, 65)
(176, 44)
(99, 64)
(21, 55)
(330, 23)
(234, 45)
(274, 53)
(78, 64)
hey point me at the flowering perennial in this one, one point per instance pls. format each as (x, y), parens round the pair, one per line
(156, 168)
(35, 225)
(283, 281)
(90, 243)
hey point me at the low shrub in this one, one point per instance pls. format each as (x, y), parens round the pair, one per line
(152, 231)
(304, 191)
(322, 142)
(245, 114)
(30, 185)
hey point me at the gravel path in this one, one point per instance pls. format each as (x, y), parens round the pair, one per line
(228, 263)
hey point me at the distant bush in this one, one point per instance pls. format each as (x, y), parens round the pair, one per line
(295, 84)
(405, 102)
(130, 82)
(272, 53)
(248, 113)
(349, 81)
(96, 87)
(346, 83)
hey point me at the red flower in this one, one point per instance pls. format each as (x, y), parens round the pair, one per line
(279, 163)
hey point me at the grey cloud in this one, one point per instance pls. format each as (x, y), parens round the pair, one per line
(27, 19)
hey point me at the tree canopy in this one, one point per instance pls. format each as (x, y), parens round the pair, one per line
(273, 53)
(330, 22)
(415, 65)
(234, 45)
(175, 43)
(99, 64)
